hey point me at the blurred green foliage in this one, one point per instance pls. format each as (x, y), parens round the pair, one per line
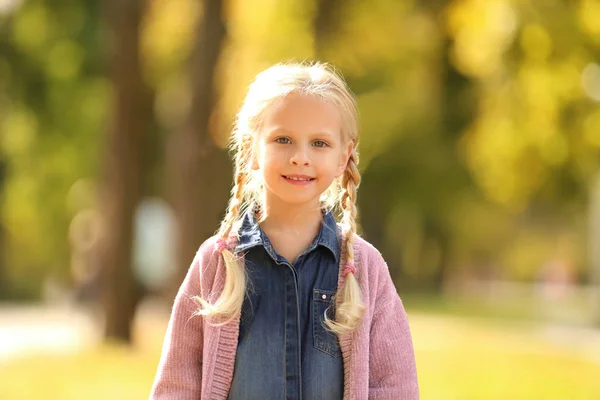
(480, 123)
(54, 101)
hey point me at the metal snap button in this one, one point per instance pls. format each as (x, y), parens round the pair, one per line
(324, 296)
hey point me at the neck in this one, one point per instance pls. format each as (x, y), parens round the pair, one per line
(292, 218)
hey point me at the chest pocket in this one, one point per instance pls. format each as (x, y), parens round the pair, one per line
(324, 340)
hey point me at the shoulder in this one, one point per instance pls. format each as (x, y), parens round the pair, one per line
(376, 278)
(209, 263)
(205, 253)
(370, 261)
(209, 248)
(208, 257)
(366, 252)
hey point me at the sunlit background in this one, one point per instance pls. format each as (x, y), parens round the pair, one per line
(479, 152)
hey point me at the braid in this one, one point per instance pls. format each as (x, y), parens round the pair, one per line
(242, 159)
(350, 183)
(233, 209)
(231, 298)
(350, 310)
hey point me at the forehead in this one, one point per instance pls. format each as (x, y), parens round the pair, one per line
(300, 113)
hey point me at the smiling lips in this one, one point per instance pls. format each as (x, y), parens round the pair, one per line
(298, 179)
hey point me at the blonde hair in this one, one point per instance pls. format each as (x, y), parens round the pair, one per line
(270, 85)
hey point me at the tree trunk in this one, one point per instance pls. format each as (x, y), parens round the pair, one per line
(201, 172)
(594, 246)
(121, 190)
(448, 118)
(325, 24)
(4, 293)
(3, 259)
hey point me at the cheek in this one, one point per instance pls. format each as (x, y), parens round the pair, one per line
(267, 158)
(339, 159)
(269, 161)
(326, 164)
(277, 155)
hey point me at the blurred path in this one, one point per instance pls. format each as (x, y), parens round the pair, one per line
(584, 340)
(457, 331)
(34, 329)
(39, 329)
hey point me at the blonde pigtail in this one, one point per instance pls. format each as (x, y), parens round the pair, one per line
(351, 308)
(230, 301)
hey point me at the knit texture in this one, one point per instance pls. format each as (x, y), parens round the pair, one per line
(198, 358)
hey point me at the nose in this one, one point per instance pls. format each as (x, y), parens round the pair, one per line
(300, 157)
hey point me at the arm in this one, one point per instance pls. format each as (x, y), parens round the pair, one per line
(392, 367)
(179, 374)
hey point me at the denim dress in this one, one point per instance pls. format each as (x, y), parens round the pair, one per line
(284, 350)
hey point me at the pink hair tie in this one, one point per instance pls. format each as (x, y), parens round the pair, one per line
(221, 245)
(349, 269)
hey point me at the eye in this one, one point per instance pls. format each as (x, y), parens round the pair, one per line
(320, 143)
(283, 140)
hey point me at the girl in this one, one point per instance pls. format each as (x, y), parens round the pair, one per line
(285, 303)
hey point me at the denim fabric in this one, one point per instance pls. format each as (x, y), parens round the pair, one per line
(284, 351)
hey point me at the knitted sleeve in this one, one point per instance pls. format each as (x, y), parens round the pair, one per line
(392, 366)
(179, 374)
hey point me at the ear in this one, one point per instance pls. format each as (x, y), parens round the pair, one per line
(344, 159)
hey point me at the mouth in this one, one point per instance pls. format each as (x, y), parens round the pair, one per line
(298, 178)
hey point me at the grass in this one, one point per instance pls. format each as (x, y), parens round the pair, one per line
(457, 358)
(107, 372)
(467, 359)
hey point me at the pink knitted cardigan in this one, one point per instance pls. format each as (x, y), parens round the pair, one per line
(198, 358)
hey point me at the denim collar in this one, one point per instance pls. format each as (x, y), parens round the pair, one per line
(251, 235)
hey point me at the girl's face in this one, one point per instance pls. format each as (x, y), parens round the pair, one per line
(300, 150)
